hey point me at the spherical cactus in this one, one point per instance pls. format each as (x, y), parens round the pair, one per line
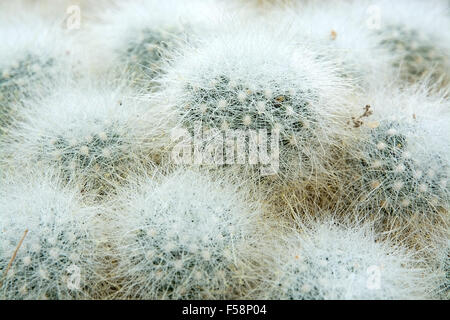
(337, 262)
(343, 31)
(249, 81)
(46, 246)
(185, 236)
(32, 51)
(398, 166)
(93, 134)
(404, 165)
(416, 39)
(142, 34)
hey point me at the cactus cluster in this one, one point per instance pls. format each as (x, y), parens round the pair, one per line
(330, 127)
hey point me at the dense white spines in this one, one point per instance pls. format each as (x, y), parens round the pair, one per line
(183, 237)
(32, 51)
(404, 154)
(56, 259)
(142, 34)
(329, 261)
(344, 32)
(417, 39)
(320, 77)
(254, 80)
(93, 134)
(376, 41)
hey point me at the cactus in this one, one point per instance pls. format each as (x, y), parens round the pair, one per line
(342, 32)
(403, 163)
(401, 183)
(183, 237)
(398, 167)
(145, 54)
(32, 49)
(15, 84)
(242, 82)
(92, 135)
(418, 55)
(331, 261)
(56, 258)
(150, 34)
(416, 41)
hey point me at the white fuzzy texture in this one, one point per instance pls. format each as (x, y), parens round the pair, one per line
(377, 40)
(32, 51)
(418, 34)
(344, 29)
(184, 236)
(429, 17)
(405, 150)
(252, 78)
(329, 261)
(58, 239)
(127, 26)
(28, 33)
(92, 133)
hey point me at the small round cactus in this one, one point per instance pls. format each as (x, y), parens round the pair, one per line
(337, 262)
(14, 81)
(401, 183)
(186, 236)
(343, 32)
(94, 135)
(142, 34)
(416, 40)
(242, 82)
(418, 55)
(398, 166)
(145, 54)
(46, 246)
(403, 164)
(31, 52)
